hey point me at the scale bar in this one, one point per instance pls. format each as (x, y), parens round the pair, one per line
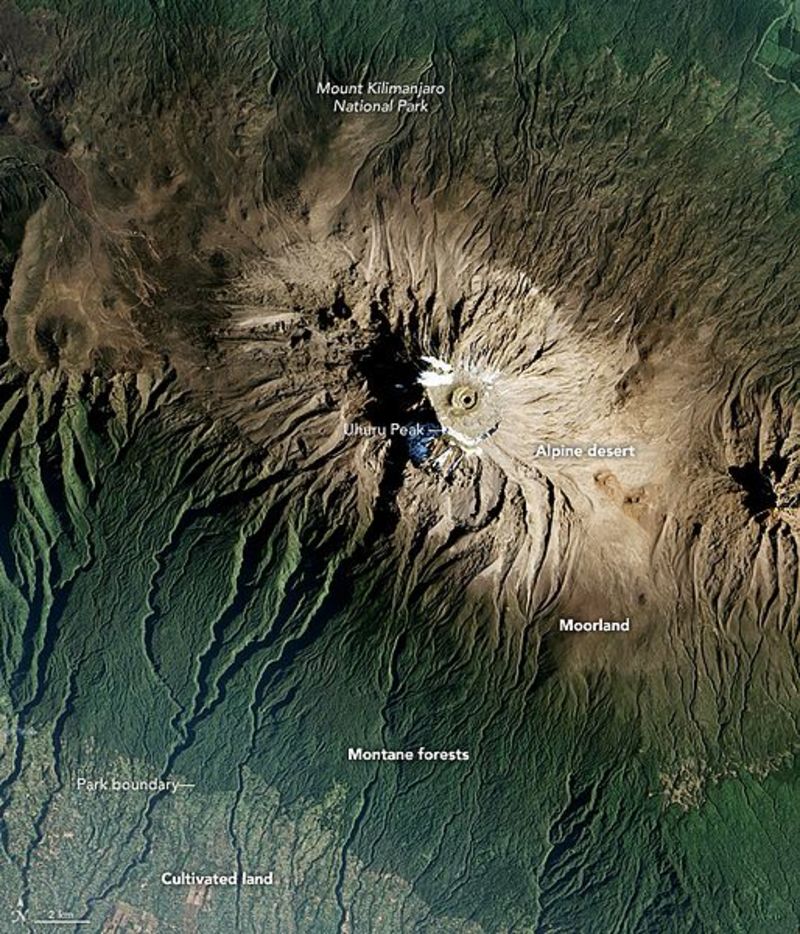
(57, 921)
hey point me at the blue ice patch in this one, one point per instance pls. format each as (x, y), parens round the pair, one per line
(419, 443)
